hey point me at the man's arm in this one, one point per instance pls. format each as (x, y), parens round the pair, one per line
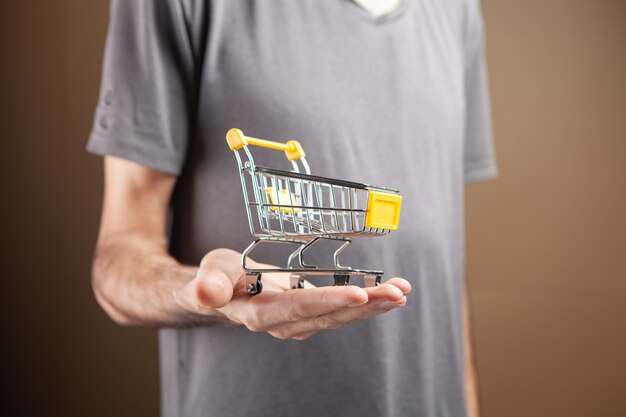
(137, 282)
(133, 277)
(471, 380)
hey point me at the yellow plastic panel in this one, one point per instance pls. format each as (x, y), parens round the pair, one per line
(383, 210)
(282, 198)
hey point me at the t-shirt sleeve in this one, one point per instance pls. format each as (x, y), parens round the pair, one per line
(147, 93)
(479, 161)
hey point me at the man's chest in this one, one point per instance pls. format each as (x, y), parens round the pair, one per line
(326, 65)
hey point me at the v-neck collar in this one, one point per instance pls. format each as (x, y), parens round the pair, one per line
(388, 17)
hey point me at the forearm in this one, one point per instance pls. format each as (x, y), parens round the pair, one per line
(471, 380)
(138, 283)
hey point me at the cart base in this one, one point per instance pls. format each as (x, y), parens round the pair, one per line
(254, 284)
(340, 273)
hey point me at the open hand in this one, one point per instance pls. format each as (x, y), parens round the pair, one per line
(219, 290)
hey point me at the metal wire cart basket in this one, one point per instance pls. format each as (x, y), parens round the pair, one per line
(295, 207)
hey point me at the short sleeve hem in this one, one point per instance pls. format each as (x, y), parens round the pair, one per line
(145, 153)
(480, 170)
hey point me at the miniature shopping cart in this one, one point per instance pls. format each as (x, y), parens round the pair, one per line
(295, 207)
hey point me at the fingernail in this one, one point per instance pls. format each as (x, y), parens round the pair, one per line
(392, 304)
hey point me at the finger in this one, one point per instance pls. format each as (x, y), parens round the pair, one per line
(336, 319)
(213, 288)
(217, 276)
(226, 260)
(303, 305)
(272, 308)
(385, 292)
(401, 283)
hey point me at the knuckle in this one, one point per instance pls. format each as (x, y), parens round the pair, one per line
(208, 259)
(215, 256)
(295, 312)
(253, 324)
(326, 323)
(296, 315)
(324, 296)
(253, 320)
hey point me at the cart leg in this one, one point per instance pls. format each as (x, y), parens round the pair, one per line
(301, 253)
(372, 280)
(342, 279)
(338, 252)
(254, 285)
(296, 281)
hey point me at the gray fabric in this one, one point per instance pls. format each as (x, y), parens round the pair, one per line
(400, 101)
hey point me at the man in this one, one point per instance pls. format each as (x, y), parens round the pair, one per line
(398, 100)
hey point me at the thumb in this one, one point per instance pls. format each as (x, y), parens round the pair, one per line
(213, 288)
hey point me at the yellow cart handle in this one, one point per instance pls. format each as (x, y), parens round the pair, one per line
(237, 140)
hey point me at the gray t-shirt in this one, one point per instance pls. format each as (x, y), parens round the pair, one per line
(399, 101)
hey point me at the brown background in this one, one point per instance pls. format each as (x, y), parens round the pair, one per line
(547, 240)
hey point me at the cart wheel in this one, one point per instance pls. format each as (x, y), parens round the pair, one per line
(371, 281)
(296, 281)
(342, 279)
(254, 287)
